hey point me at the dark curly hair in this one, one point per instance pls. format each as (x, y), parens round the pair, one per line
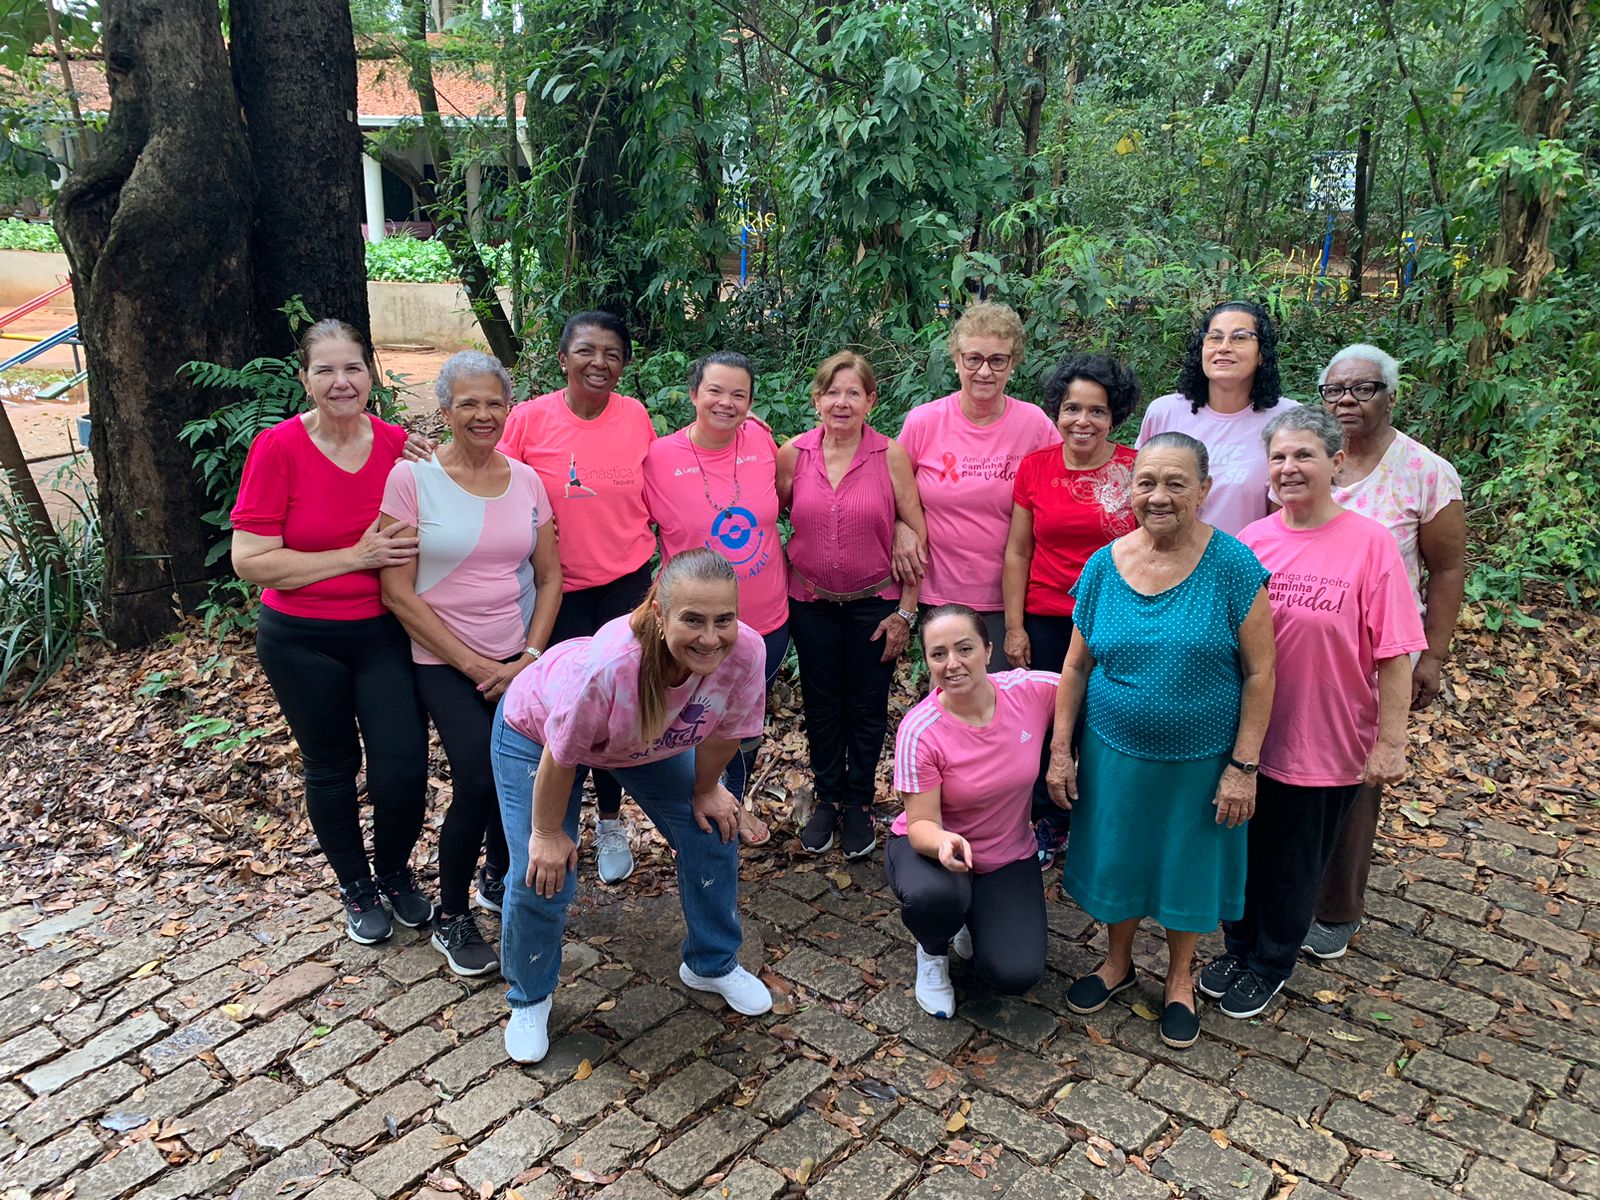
(1264, 388)
(1120, 383)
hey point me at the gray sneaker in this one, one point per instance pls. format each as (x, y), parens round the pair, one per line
(613, 855)
(1329, 941)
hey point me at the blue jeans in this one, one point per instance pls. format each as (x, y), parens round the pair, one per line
(737, 775)
(708, 868)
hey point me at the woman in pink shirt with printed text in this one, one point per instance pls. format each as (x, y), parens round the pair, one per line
(1416, 495)
(305, 527)
(1227, 393)
(663, 698)
(713, 484)
(961, 857)
(478, 601)
(965, 449)
(1345, 622)
(845, 484)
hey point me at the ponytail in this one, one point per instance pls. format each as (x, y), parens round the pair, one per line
(695, 566)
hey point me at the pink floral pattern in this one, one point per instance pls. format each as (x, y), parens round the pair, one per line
(1406, 490)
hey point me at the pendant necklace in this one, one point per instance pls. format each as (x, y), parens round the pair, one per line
(727, 509)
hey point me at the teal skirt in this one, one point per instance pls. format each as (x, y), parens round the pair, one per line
(1145, 841)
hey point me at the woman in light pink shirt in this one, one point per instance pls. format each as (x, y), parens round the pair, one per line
(713, 484)
(965, 450)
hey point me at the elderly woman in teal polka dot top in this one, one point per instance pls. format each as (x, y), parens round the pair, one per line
(1171, 664)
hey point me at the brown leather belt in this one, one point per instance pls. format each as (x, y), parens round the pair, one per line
(822, 593)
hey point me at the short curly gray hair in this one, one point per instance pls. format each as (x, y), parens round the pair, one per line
(467, 365)
(1306, 419)
(1388, 368)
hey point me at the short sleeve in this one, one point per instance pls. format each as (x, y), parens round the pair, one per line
(263, 502)
(1024, 485)
(400, 495)
(577, 723)
(1394, 626)
(1086, 592)
(513, 435)
(1243, 577)
(537, 493)
(918, 765)
(1440, 486)
(910, 438)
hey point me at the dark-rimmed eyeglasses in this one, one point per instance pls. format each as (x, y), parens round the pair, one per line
(1362, 389)
(975, 362)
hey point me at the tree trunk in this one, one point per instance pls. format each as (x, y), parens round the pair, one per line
(1032, 121)
(296, 76)
(1358, 234)
(156, 226)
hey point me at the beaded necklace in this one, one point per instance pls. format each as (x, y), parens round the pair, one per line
(727, 509)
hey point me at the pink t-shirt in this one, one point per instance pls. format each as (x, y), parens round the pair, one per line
(1407, 489)
(474, 556)
(1074, 514)
(593, 472)
(1340, 605)
(292, 490)
(739, 521)
(1239, 485)
(580, 701)
(964, 473)
(984, 775)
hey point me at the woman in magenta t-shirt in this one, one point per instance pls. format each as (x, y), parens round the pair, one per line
(713, 484)
(305, 527)
(961, 856)
(1227, 392)
(1345, 622)
(965, 449)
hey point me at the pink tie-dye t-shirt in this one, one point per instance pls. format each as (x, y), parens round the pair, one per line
(1407, 489)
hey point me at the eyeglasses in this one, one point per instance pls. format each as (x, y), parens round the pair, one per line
(1364, 389)
(997, 362)
(1239, 337)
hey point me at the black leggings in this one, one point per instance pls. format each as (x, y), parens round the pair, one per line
(1048, 641)
(464, 718)
(342, 684)
(1002, 909)
(581, 613)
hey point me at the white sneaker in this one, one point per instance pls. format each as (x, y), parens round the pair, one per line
(613, 855)
(528, 1032)
(961, 944)
(935, 994)
(743, 991)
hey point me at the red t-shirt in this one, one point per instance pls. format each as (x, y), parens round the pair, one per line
(1074, 514)
(292, 490)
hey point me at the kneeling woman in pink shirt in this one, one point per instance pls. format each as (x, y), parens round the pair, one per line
(1345, 622)
(961, 858)
(661, 698)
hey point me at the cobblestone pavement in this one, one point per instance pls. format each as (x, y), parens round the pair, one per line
(253, 1051)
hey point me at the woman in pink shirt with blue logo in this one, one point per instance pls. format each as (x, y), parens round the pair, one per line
(1345, 622)
(662, 699)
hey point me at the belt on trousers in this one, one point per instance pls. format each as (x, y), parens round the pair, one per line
(822, 593)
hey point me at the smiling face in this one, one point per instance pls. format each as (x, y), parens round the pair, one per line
(1085, 418)
(1360, 419)
(337, 377)
(1167, 490)
(1299, 467)
(593, 362)
(700, 624)
(844, 406)
(958, 659)
(982, 383)
(1230, 352)
(477, 412)
(722, 401)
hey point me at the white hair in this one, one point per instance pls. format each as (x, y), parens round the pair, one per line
(468, 364)
(1363, 352)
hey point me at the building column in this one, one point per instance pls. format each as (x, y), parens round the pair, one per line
(372, 179)
(474, 191)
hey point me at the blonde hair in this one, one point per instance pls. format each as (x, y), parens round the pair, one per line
(845, 360)
(692, 566)
(988, 318)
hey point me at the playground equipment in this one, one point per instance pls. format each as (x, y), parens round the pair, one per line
(33, 305)
(61, 337)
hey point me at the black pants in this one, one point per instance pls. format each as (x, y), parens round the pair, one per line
(1292, 836)
(464, 719)
(581, 613)
(1003, 910)
(1048, 639)
(342, 685)
(845, 688)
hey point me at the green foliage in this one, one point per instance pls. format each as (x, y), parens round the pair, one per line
(400, 258)
(28, 235)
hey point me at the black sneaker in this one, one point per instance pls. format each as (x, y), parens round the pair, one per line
(817, 836)
(491, 891)
(410, 907)
(1051, 841)
(461, 942)
(365, 918)
(1249, 995)
(1219, 974)
(860, 838)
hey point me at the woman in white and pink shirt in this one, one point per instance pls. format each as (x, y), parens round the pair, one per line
(662, 699)
(961, 857)
(965, 449)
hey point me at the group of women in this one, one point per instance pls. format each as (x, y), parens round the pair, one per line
(1100, 644)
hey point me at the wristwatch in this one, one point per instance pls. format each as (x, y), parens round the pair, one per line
(1249, 768)
(533, 652)
(910, 618)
